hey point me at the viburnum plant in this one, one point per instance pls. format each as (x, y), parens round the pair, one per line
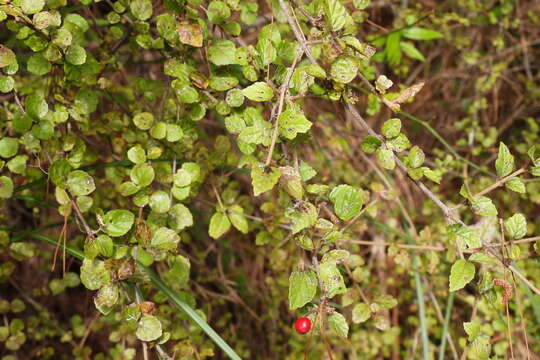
(191, 162)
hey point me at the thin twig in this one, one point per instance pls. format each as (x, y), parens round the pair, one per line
(296, 30)
(284, 89)
(444, 208)
(401, 246)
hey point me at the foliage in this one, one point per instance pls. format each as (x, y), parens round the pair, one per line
(210, 171)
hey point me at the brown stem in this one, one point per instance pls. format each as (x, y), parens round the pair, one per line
(283, 90)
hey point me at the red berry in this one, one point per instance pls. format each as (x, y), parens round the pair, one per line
(302, 325)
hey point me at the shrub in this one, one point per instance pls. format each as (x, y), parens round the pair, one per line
(212, 171)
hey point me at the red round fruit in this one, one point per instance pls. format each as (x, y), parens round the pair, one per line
(302, 325)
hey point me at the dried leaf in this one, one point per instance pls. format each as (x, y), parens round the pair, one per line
(190, 33)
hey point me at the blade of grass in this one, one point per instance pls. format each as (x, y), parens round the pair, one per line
(158, 283)
(156, 280)
(447, 315)
(76, 253)
(421, 311)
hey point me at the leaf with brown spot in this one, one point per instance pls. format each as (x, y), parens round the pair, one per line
(126, 269)
(147, 307)
(190, 33)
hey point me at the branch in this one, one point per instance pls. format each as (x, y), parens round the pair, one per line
(358, 118)
(297, 32)
(445, 209)
(284, 89)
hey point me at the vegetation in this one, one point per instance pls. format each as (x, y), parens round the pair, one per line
(326, 179)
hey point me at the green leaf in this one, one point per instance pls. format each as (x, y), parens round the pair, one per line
(38, 65)
(316, 71)
(483, 259)
(306, 171)
(136, 154)
(17, 165)
(411, 51)
(432, 175)
(259, 91)
(472, 329)
(461, 274)
(416, 157)
(516, 226)
(516, 185)
(234, 98)
(160, 202)
(291, 122)
(535, 170)
(219, 225)
(480, 348)
(385, 158)
(164, 239)
(105, 245)
(222, 52)
(8, 147)
(86, 101)
(32, 6)
(141, 9)
(118, 222)
(331, 279)
(483, 206)
(514, 251)
(94, 274)
(391, 128)
(58, 172)
(36, 106)
(142, 174)
(393, 48)
(336, 256)
(258, 133)
(335, 13)
(370, 144)
(236, 216)
(347, 201)
(6, 187)
(338, 324)
(505, 161)
(232, 28)
(302, 215)
(7, 56)
(218, 11)
(149, 328)
(386, 302)
(76, 55)
(418, 33)
(106, 298)
(7, 83)
(343, 70)
(399, 143)
(465, 236)
(302, 288)
(360, 313)
(80, 183)
(263, 181)
(180, 217)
